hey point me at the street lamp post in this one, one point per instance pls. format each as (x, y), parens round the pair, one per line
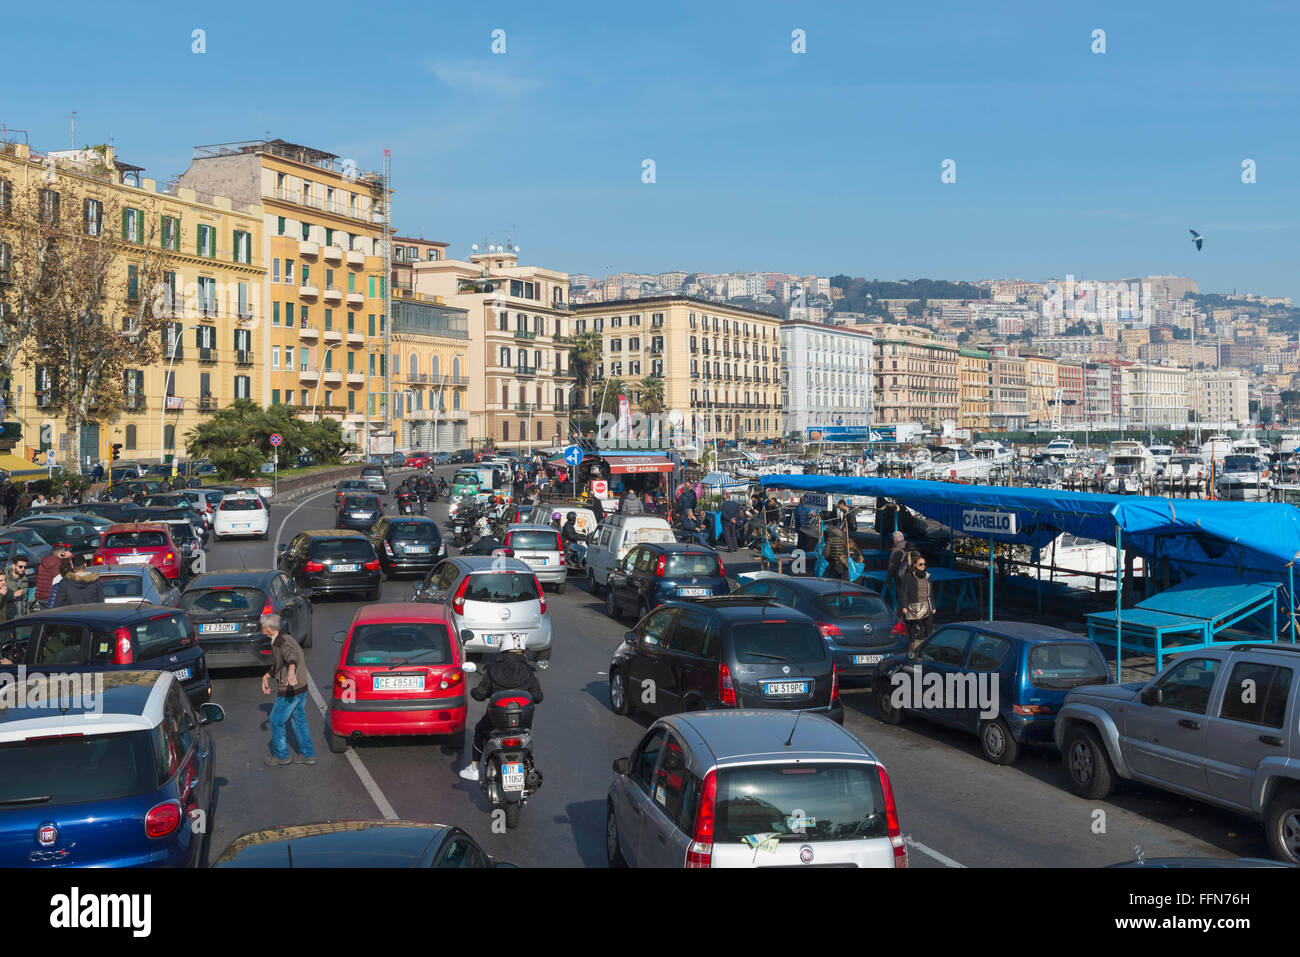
(320, 375)
(162, 415)
(437, 406)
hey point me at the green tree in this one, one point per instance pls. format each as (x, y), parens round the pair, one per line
(605, 398)
(652, 394)
(584, 354)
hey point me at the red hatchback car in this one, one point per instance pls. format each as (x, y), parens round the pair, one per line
(399, 672)
(417, 460)
(140, 543)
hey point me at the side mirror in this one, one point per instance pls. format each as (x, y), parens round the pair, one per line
(339, 636)
(466, 634)
(1153, 696)
(629, 636)
(281, 547)
(210, 713)
(620, 765)
(469, 667)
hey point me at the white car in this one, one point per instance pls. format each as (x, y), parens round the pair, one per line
(241, 515)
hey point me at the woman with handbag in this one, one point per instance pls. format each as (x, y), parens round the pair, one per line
(915, 591)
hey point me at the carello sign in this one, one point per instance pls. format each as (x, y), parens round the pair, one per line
(979, 522)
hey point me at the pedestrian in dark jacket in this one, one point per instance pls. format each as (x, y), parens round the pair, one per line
(288, 670)
(81, 586)
(508, 671)
(897, 562)
(731, 518)
(686, 499)
(49, 569)
(13, 599)
(836, 548)
(915, 596)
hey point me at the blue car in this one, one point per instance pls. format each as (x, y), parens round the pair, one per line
(441, 458)
(133, 787)
(655, 573)
(1004, 681)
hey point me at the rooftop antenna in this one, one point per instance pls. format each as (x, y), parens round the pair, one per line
(797, 715)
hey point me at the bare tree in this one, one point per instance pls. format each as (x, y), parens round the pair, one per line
(84, 272)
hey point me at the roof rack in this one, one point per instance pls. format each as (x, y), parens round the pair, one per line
(1289, 647)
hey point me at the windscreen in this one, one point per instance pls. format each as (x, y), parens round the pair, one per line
(800, 802)
(759, 642)
(535, 541)
(122, 586)
(703, 564)
(241, 505)
(362, 503)
(352, 549)
(414, 532)
(465, 477)
(61, 771)
(135, 540)
(223, 600)
(384, 643)
(1060, 665)
(162, 636)
(501, 587)
(851, 604)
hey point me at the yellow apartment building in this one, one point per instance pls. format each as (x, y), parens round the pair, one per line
(976, 389)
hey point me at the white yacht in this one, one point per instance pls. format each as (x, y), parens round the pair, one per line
(1077, 557)
(1248, 445)
(1243, 477)
(1215, 448)
(954, 462)
(1161, 453)
(1059, 449)
(994, 452)
(1129, 467)
(1186, 468)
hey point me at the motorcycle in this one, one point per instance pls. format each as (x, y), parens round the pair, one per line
(406, 503)
(509, 777)
(466, 524)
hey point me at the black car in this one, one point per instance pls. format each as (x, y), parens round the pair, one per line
(227, 607)
(651, 574)
(359, 512)
(134, 637)
(82, 537)
(178, 514)
(137, 488)
(113, 511)
(462, 457)
(328, 562)
(407, 544)
(724, 653)
(358, 844)
(32, 538)
(859, 628)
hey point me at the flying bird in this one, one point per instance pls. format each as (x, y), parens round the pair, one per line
(1196, 238)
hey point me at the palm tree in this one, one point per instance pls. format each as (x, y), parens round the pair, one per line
(583, 356)
(606, 399)
(652, 394)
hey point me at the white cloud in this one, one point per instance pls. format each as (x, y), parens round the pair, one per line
(488, 77)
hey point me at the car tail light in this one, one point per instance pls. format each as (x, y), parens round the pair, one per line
(700, 852)
(512, 742)
(835, 683)
(162, 819)
(722, 571)
(507, 552)
(388, 548)
(898, 629)
(122, 651)
(828, 630)
(541, 595)
(458, 600)
(314, 567)
(891, 818)
(342, 682)
(372, 566)
(169, 558)
(99, 559)
(453, 676)
(268, 608)
(726, 690)
(660, 565)
(1032, 708)
(562, 559)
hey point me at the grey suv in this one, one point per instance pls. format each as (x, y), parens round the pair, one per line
(1217, 724)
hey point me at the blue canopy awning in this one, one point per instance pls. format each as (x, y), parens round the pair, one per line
(1253, 540)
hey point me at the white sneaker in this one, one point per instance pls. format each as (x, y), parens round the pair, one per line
(470, 773)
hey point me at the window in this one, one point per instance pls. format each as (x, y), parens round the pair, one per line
(288, 271)
(279, 225)
(505, 431)
(94, 220)
(48, 206)
(692, 635)
(130, 437)
(169, 437)
(6, 196)
(946, 647)
(132, 283)
(243, 246)
(372, 287)
(642, 766)
(306, 227)
(208, 302)
(1257, 694)
(275, 313)
(1186, 686)
(987, 653)
(288, 314)
(245, 304)
(288, 357)
(372, 323)
(275, 358)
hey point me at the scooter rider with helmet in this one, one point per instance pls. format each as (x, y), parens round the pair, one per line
(510, 669)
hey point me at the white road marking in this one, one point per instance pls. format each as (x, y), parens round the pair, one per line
(941, 858)
(363, 774)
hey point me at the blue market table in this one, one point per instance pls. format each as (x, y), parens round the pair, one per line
(954, 589)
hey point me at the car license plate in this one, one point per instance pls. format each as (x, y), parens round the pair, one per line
(538, 560)
(867, 659)
(773, 688)
(416, 549)
(243, 525)
(512, 776)
(182, 674)
(398, 682)
(221, 627)
(133, 559)
(361, 515)
(344, 568)
(694, 592)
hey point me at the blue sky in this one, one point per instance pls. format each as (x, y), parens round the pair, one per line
(828, 161)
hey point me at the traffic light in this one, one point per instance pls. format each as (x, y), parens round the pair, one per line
(117, 451)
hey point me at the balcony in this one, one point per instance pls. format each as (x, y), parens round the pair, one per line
(356, 378)
(657, 350)
(207, 356)
(333, 377)
(356, 258)
(458, 380)
(135, 403)
(308, 249)
(356, 338)
(309, 290)
(174, 403)
(208, 403)
(417, 377)
(525, 370)
(356, 299)
(306, 374)
(333, 254)
(525, 335)
(333, 296)
(243, 357)
(333, 335)
(563, 374)
(308, 332)
(526, 407)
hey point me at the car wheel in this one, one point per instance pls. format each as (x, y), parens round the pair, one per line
(266, 536)
(1088, 771)
(1282, 825)
(613, 851)
(560, 587)
(997, 742)
(592, 587)
(611, 607)
(618, 699)
(374, 593)
(338, 744)
(512, 814)
(885, 708)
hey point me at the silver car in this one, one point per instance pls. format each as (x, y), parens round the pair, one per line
(488, 599)
(136, 583)
(751, 789)
(539, 547)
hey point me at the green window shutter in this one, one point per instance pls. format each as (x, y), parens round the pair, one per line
(198, 241)
(383, 287)
(275, 396)
(280, 226)
(372, 287)
(351, 356)
(124, 222)
(275, 313)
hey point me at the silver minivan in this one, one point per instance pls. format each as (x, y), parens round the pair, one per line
(539, 547)
(751, 789)
(488, 599)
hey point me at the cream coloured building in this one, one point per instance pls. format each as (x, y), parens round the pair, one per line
(826, 381)
(916, 375)
(1220, 396)
(1153, 396)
